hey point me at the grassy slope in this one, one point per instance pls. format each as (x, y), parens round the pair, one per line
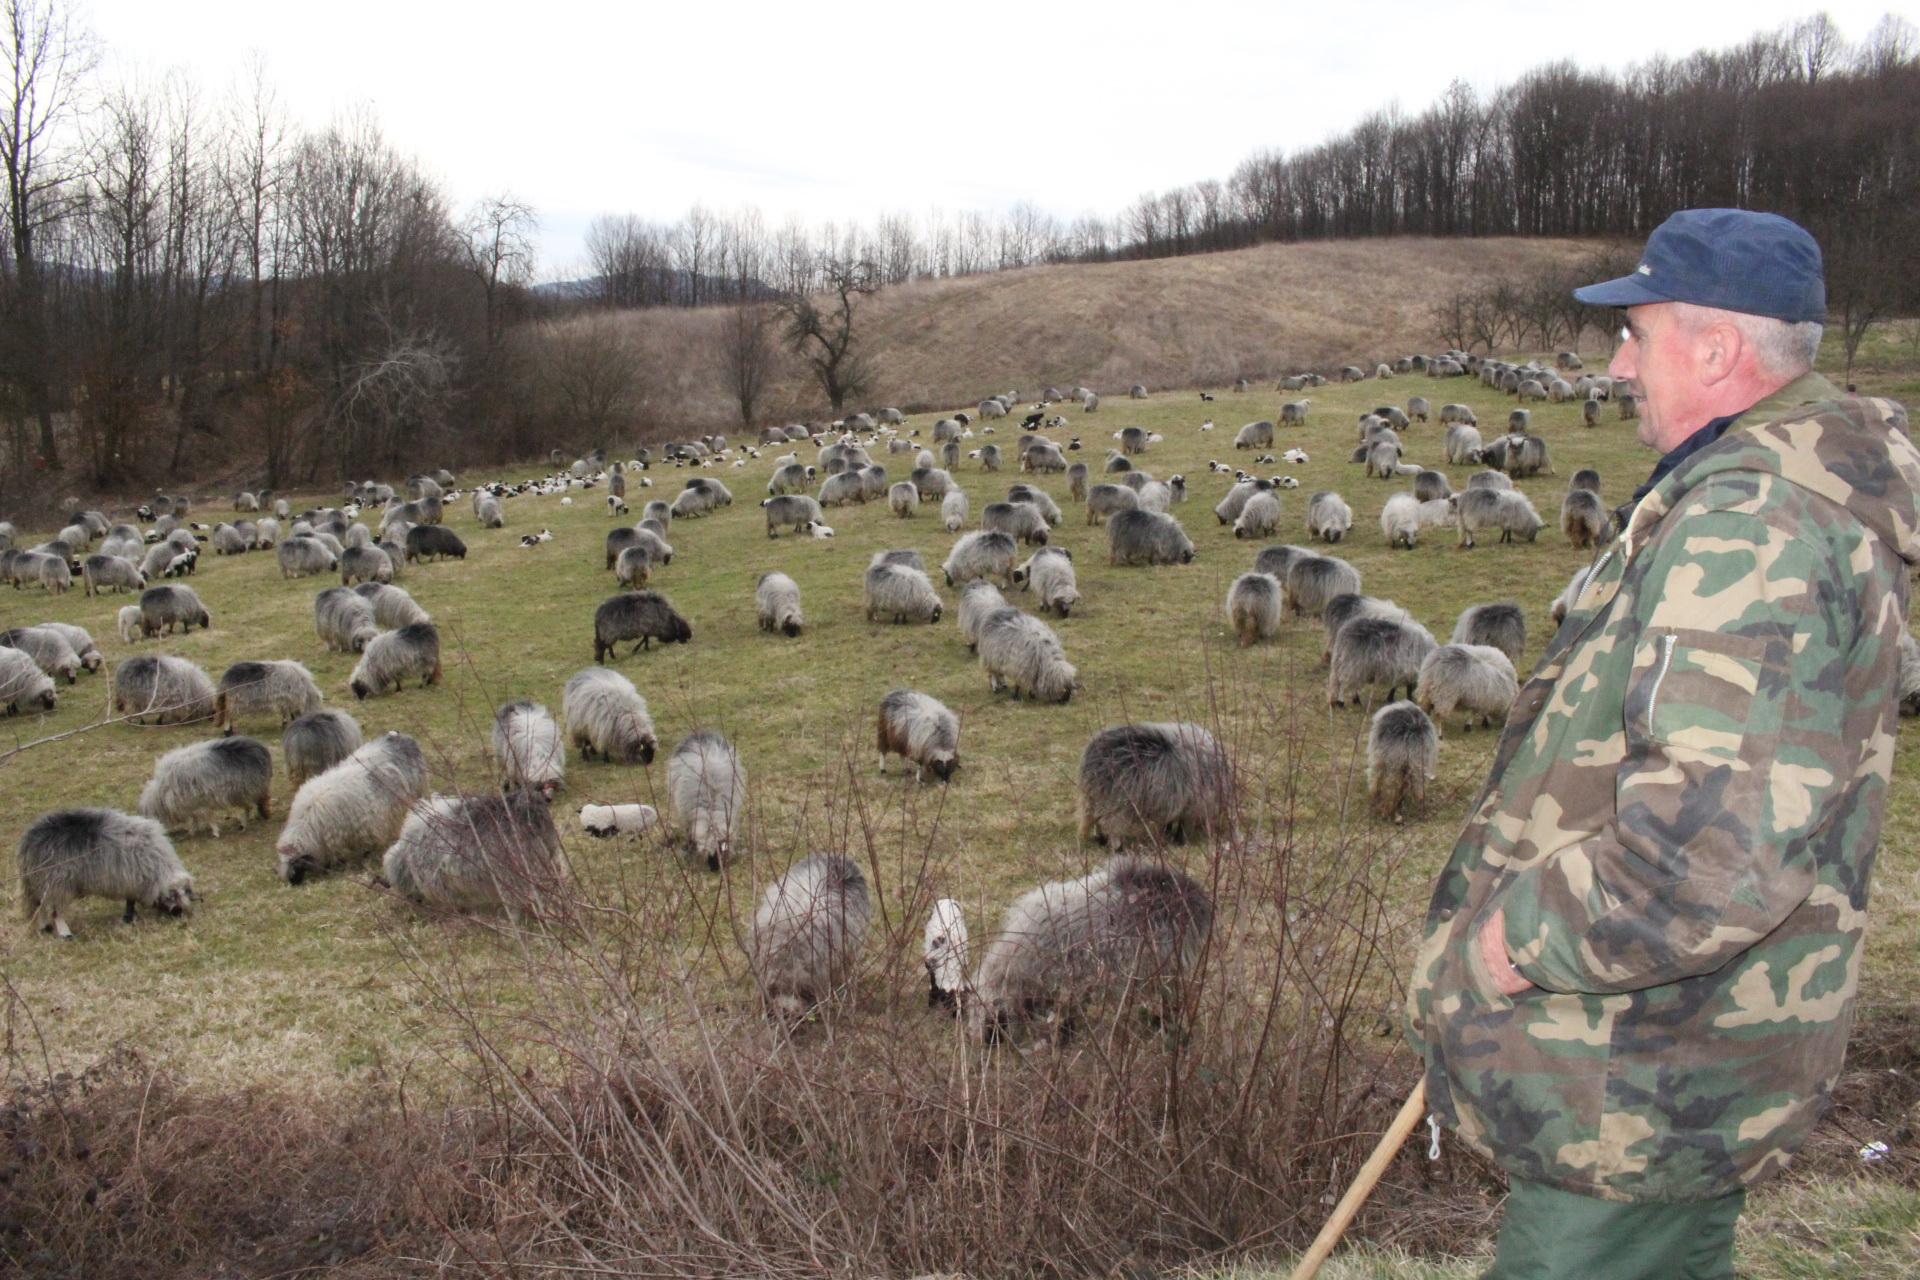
(1172, 322)
(268, 982)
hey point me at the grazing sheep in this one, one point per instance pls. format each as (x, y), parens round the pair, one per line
(920, 730)
(873, 483)
(791, 478)
(527, 747)
(604, 820)
(659, 510)
(165, 607)
(1400, 520)
(1501, 626)
(161, 689)
(979, 600)
(1253, 607)
(303, 556)
(477, 853)
(1090, 403)
(1077, 481)
(490, 513)
(1125, 937)
(1277, 560)
(112, 573)
(1475, 678)
(1507, 510)
(1019, 520)
(205, 779)
(77, 639)
(990, 458)
(1133, 440)
(353, 810)
(1037, 498)
(953, 510)
(24, 686)
(1313, 580)
(1527, 456)
(1463, 445)
(808, 932)
(1255, 435)
(634, 569)
(840, 490)
(1022, 654)
(1049, 574)
(618, 540)
(944, 953)
(365, 564)
(901, 594)
(1490, 480)
(794, 509)
(1043, 457)
(434, 540)
(778, 599)
(392, 656)
(247, 689)
(344, 619)
(1329, 518)
(607, 717)
(1294, 413)
(1376, 651)
(930, 482)
(1147, 538)
(227, 541)
(707, 786)
(904, 556)
(103, 853)
(1431, 485)
(1383, 460)
(1585, 519)
(48, 649)
(1107, 500)
(1629, 407)
(1347, 606)
(984, 553)
(1403, 746)
(904, 499)
(316, 742)
(641, 617)
(127, 623)
(1260, 517)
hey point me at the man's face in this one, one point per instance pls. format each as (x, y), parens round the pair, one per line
(1659, 357)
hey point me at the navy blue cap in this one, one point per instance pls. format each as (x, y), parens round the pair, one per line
(1732, 259)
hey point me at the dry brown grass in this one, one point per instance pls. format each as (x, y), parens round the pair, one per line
(1176, 322)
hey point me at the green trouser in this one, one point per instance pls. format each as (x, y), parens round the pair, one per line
(1550, 1234)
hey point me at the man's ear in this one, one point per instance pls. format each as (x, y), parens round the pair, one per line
(1718, 351)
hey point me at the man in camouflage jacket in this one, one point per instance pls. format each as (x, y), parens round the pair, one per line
(1638, 973)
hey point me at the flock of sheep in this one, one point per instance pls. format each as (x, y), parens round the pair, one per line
(1132, 926)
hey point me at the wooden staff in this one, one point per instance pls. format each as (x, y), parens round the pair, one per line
(1364, 1182)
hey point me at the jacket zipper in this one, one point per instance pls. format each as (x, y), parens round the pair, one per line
(1666, 660)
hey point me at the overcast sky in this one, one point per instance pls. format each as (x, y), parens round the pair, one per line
(847, 110)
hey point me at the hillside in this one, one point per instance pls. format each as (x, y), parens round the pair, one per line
(1174, 322)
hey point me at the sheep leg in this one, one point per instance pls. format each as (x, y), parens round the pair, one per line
(59, 926)
(128, 917)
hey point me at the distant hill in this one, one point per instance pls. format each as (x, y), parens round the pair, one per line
(1188, 322)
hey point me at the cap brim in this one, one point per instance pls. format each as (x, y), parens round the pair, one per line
(1627, 291)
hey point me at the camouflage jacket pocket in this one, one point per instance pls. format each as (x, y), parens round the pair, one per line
(1694, 691)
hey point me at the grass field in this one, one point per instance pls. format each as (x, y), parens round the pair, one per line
(268, 983)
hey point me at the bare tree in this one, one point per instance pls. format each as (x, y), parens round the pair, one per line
(496, 241)
(47, 57)
(821, 330)
(592, 377)
(746, 355)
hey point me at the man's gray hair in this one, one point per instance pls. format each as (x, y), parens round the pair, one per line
(1784, 348)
